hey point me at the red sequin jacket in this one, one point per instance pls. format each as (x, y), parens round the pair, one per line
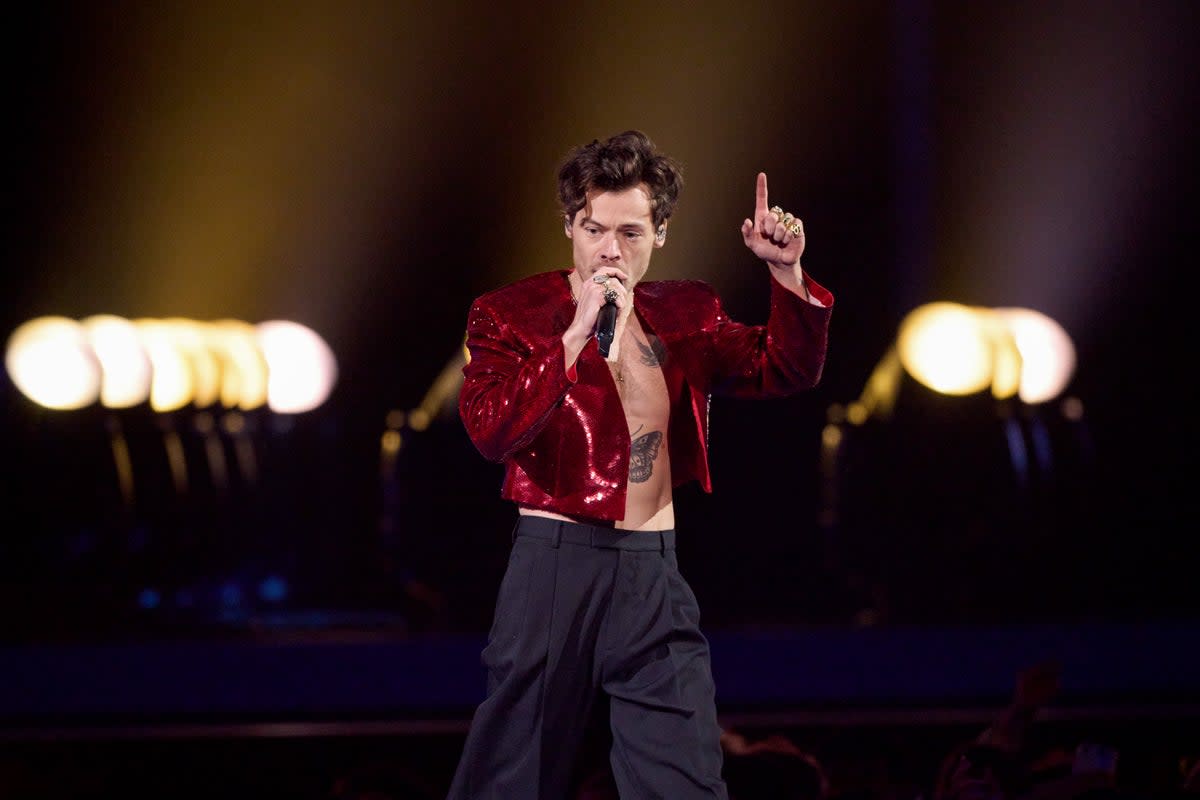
(564, 442)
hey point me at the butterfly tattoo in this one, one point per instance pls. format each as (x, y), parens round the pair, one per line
(642, 455)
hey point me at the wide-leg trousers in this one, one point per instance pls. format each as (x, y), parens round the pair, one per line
(584, 611)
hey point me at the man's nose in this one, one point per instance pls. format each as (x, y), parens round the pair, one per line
(610, 250)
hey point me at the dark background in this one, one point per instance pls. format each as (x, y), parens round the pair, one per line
(368, 171)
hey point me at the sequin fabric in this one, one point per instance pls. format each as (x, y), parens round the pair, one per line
(564, 443)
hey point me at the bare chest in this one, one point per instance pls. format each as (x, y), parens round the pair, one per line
(641, 384)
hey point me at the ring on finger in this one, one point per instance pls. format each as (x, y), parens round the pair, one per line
(786, 219)
(777, 211)
(794, 228)
(610, 295)
(600, 278)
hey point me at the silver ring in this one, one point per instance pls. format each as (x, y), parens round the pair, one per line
(600, 278)
(610, 295)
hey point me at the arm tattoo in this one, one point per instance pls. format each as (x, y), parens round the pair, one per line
(642, 455)
(653, 353)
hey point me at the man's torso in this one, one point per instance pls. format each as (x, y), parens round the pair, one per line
(646, 397)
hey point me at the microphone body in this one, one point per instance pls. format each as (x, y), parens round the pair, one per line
(606, 324)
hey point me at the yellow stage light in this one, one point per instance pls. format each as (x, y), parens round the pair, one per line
(243, 368)
(174, 382)
(301, 369)
(193, 341)
(946, 347)
(125, 367)
(959, 350)
(63, 364)
(52, 363)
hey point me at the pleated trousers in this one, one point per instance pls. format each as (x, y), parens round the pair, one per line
(586, 611)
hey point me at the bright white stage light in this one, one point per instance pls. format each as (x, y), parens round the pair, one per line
(63, 364)
(301, 368)
(52, 363)
(124, 365)
(1047, 353)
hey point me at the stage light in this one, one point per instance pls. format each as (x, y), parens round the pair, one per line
(1047, 353)
(195, 340)
(63, 364)
(1008, 365)
(961, 350)
(301, 368)
(946, 347)
(52, 363)
(950, 447)
(125, 367)
(173, 384)
(244, 370)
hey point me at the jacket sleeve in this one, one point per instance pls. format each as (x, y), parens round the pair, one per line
(783, 357)
(511, 387)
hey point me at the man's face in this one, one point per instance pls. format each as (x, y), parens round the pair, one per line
(614, 229)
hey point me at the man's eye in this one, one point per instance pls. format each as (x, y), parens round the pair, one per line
(592, 231)
(632, 235)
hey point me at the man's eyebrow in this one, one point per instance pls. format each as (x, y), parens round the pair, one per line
(625, 226)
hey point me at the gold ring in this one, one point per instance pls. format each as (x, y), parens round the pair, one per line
(787, 218)
(794, 229)
(776, 210)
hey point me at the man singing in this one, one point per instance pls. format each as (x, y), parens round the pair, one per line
(592, 606)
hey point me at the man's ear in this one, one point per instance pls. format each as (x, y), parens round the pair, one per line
(567, 226)
(660, 235)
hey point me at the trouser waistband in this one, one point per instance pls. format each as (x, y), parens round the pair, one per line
(556, 531)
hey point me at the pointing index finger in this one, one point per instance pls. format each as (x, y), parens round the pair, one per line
(760, 196)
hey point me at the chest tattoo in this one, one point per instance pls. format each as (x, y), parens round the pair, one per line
(642, 455)
(653, 353)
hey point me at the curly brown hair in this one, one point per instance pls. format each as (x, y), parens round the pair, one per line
(618, 163)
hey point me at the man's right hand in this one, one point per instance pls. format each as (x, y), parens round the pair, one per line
(589, 297)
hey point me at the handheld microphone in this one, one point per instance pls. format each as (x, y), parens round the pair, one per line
(606, 323)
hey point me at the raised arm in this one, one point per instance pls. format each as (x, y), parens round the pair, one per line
(777, 237)
(788, 353)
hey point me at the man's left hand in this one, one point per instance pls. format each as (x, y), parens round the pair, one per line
(774, 235)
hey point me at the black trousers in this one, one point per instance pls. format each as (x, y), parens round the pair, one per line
(582, 611)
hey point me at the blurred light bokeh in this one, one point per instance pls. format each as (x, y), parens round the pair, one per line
(124, 365)
(51, 361)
